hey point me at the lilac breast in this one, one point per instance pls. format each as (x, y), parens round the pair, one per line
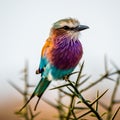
(66, 53)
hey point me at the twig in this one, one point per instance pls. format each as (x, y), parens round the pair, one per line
(112, 99)
(84, 101)
(115, 113)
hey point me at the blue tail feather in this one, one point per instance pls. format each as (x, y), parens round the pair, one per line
(39, 90)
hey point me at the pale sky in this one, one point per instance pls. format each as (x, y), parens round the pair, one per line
(25, 25)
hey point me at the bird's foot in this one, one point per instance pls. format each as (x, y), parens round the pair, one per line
(37, 71)
(66, 78)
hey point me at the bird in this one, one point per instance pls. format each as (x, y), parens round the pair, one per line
(60, 54)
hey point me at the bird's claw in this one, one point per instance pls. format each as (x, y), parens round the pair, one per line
(66, 78)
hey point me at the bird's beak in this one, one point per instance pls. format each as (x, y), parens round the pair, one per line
(81, 27)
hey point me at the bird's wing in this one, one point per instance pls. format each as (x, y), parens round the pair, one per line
(46, 46)
(44, 61)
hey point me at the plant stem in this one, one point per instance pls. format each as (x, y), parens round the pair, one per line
(85, 102)
(112, 99)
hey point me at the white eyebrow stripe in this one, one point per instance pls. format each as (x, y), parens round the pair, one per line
(70, 24)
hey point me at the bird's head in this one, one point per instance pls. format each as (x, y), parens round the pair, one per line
(70, 27)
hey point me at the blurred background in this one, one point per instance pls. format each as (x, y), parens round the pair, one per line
(24, 27)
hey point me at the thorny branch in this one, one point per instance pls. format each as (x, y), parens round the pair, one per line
(79, 107)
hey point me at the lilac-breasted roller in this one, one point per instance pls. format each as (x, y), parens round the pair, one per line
(60, 54)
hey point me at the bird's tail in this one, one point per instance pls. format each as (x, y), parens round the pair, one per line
(39, 90)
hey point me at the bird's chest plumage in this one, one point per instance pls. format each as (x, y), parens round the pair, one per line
(65, 53)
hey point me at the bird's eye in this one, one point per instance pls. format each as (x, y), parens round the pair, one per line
(66, 28)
